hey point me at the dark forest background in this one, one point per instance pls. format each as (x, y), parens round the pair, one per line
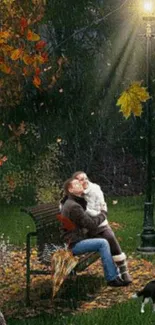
(76, 124)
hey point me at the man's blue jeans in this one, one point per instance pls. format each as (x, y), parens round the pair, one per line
(100, 245)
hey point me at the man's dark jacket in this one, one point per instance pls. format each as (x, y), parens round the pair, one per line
(85, 226)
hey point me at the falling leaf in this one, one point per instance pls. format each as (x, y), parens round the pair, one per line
(131, 99)
(32, 36)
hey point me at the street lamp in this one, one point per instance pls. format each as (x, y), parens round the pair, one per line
(148, 233)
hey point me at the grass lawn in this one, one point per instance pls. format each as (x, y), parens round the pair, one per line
(14, 224)
(128, 212)
(120, 314)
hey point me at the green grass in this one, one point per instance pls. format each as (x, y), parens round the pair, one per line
(129, 212)
(120, 314)
(14, 224)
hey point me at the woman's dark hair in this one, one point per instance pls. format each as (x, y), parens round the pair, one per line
(64, 198)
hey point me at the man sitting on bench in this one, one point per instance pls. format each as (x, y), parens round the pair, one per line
(81, 241)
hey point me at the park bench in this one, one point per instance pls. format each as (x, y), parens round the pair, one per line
(47, 237)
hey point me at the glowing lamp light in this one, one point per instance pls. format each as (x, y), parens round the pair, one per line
(148, 6)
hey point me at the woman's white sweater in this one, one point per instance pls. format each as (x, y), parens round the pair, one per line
(95, 200)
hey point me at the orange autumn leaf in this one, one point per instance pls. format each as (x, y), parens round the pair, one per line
(28, 60)
(40, 45)
(23, 22)
(36, 81)
(4, 68)
(32, 36)
(37, 71)
(44, 56)
(16, 54)
(4, 35)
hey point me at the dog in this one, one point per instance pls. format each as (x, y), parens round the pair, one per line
(148, 292)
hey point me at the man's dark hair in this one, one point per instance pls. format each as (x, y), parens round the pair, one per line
(67, 185)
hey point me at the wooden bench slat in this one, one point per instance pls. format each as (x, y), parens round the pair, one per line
(40, 208)
(47, 211)
(44, 217)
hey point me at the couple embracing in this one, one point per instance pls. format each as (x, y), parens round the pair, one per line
(85, 207)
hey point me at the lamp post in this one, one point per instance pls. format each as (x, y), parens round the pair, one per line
(148, 233)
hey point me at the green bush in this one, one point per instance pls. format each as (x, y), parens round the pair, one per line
(41, 183)
(16, 186)
(46, 173)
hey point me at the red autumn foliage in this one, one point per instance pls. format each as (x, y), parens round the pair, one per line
(40, 45)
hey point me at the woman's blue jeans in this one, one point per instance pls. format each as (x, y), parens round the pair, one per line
(100, 245)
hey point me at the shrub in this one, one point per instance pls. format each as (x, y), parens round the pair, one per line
(46, 171)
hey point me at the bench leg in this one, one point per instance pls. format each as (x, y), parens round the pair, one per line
(28, 270)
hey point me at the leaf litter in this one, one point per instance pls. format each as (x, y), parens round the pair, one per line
(95, 292)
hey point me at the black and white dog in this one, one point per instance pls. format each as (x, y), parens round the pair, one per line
(148, 292)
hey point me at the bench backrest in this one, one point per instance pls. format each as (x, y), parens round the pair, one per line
(47, 225)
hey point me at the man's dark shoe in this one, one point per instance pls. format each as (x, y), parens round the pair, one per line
(117, 283)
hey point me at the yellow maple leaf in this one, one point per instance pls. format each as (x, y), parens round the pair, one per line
(140, 92)
(31, 36)
(124, 102)
(132, 98)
